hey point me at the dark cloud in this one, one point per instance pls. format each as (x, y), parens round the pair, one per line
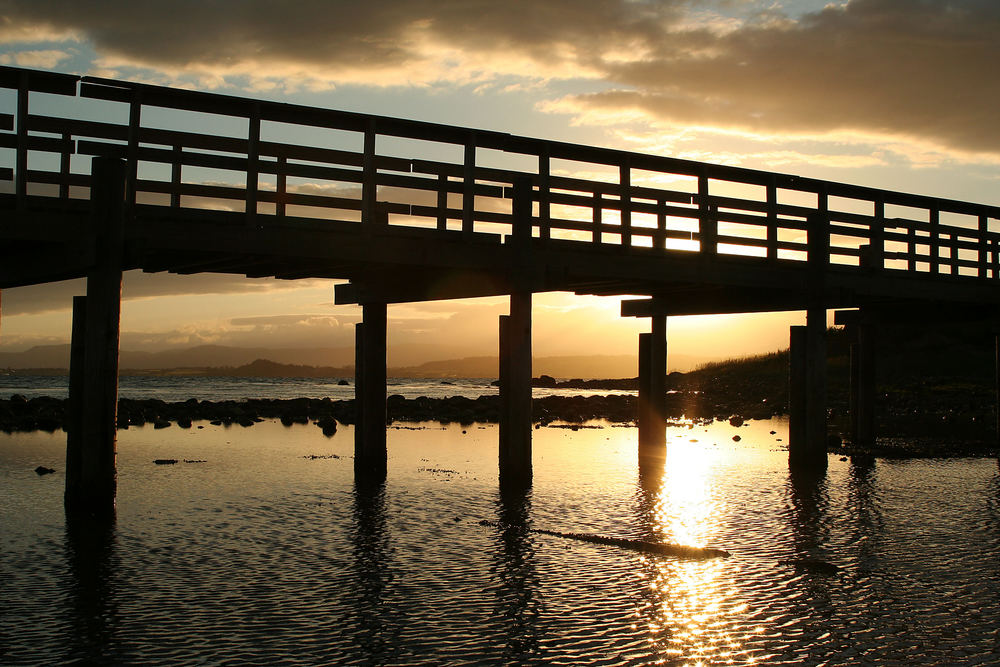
(346, 34)
(914, 69)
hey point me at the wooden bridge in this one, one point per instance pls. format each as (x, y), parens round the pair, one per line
(106, 176)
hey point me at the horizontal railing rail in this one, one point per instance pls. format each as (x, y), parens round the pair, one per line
(590, 195)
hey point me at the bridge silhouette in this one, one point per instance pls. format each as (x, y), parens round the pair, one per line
(109, 176)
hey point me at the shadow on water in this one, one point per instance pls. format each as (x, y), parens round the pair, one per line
(808, 512)
(518, 605)
(376, 626)
(90, 556)
(865, 508)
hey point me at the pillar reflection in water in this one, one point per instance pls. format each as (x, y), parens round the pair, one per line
(517, 605)
(376, 626)
(808, 512)
(90, 560)
(865, 507)
(690, 606)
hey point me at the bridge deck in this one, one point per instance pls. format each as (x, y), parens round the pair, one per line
(409, 211)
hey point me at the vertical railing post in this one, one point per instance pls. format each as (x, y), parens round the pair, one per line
(253, 164)
(521, 227)
(772, 219)
(911, 247)
(132, 151)
(469, 187)
(598, 218)
(625, 200)
(21, 157)
(544, 205)
(933, 242)
(442, 202)
(984, 247)
(818, 241)
(64, 166)
(708, 224)
(368, 183)
(176, 173)
(281, 187)
(660, 238)
(876, 236)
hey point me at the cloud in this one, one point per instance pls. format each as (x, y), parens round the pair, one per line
(912, 70)
(43, 58)
(52, 297)
(317, 42)
(907, 68)
(899, 68)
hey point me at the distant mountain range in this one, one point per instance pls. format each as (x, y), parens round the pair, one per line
(328, 362)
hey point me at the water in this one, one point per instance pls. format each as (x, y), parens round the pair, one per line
(261, 556)
(181, 388)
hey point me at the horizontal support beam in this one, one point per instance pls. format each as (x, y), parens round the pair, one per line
(406, 287)
(923, 314)
(46, 266)
(715, 303)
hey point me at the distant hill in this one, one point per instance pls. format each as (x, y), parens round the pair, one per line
(405, 361)
(252, 362)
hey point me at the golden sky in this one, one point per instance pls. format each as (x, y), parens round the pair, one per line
(898, 94)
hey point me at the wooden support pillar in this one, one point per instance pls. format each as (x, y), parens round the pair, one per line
(652, 388)
(370, 454)
(997, 371)
(94, 483)
(515, 392)
(74, 406)
(862, 398)
(796, 389)
(807, 440)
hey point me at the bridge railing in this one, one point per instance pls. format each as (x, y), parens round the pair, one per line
(579, 193)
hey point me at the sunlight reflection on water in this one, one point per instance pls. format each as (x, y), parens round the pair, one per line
(260, 555)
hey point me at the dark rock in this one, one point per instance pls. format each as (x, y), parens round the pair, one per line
(164, 462)
(42, 470)
(343, 383)
(328, 424)
(546, 381)
(736, 438)
(736, 421)
(184, 422)
(161, 424)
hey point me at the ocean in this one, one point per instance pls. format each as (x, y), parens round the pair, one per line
(181, 388)
(263, 550)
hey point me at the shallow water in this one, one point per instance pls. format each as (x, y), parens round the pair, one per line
(262, 556)
(181, 388)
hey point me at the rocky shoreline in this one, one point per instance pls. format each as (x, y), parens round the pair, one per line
(18, 414)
